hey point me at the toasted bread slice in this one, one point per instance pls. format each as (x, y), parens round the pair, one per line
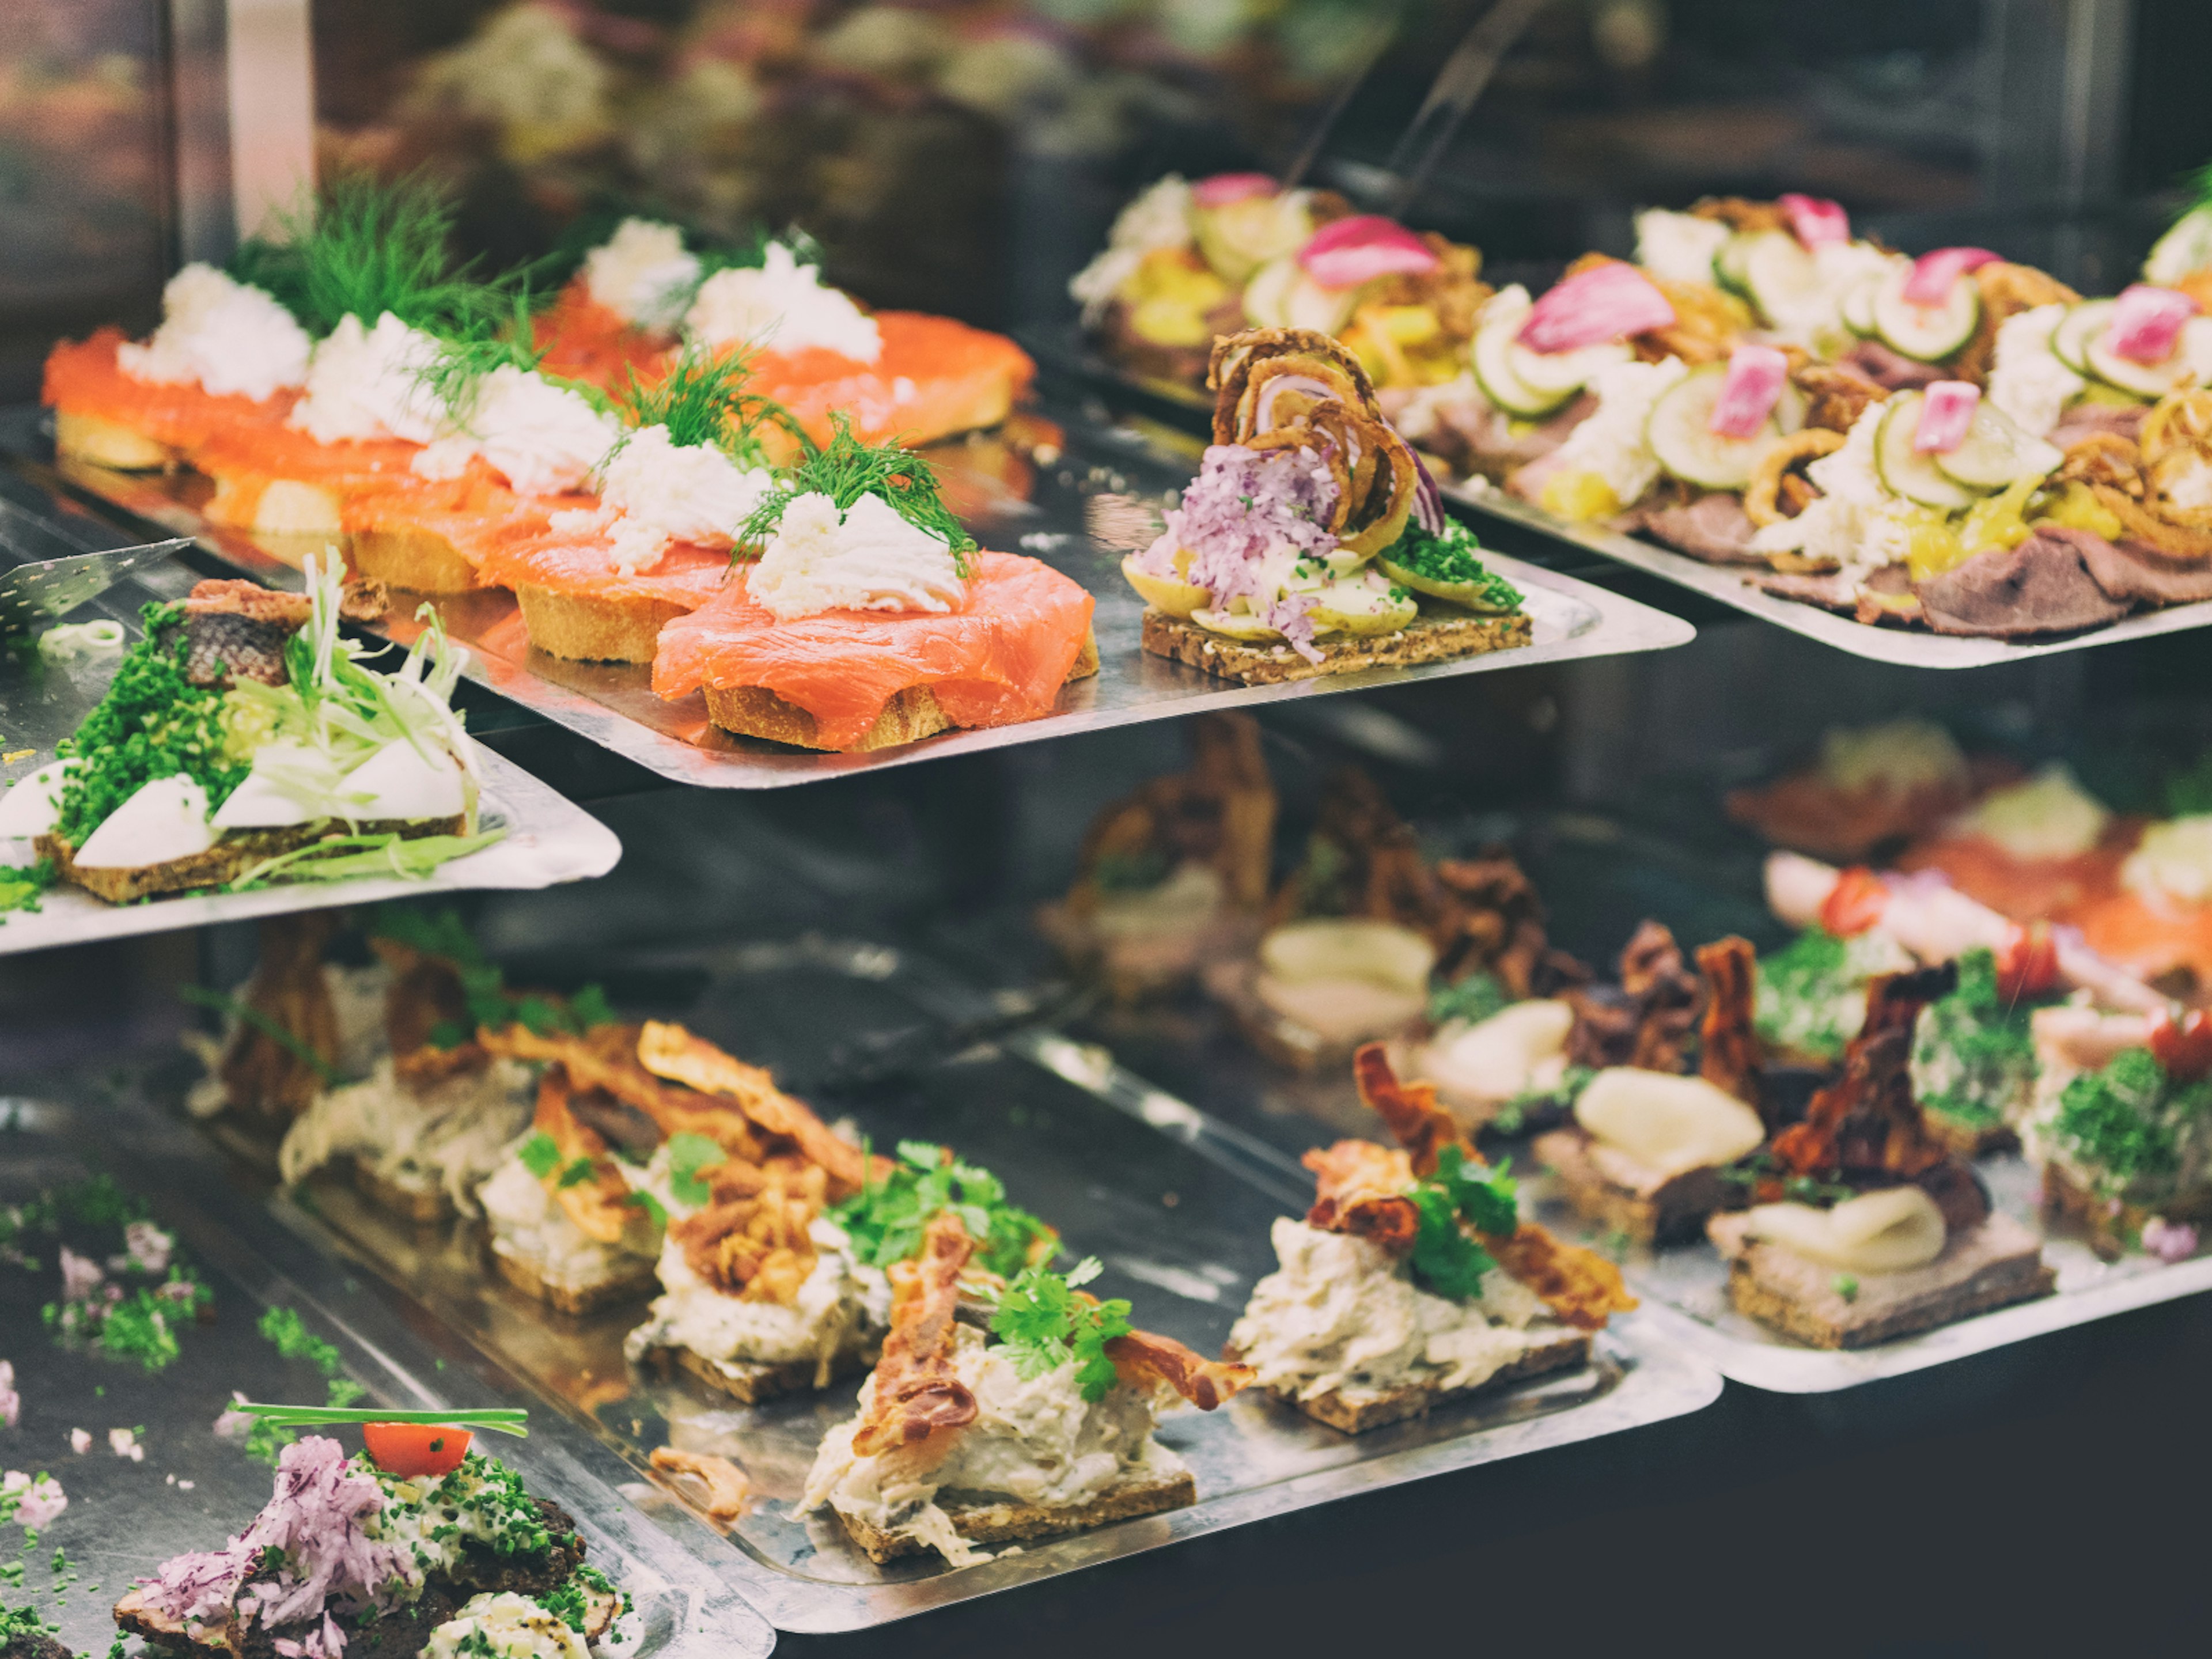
(424, 1206)
(1988, 1266)
(908, 717)
(629, 1285)
(585, 629)
(222, 863)
(2111, 1227)
(1357, 1410)
(749, 1383)
(1435, 635)
(1654, 1210)
(1022, 1523)
(98, 441)
(278, 507)
(418, 559)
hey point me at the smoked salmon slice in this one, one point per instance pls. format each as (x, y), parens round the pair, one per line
(430, 536)
(2150, 941)
(560, 562)
(934, 377)
(84, 381)
(584, 340)
(1002, 657)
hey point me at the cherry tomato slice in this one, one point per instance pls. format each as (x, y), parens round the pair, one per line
(2183, 1047)
(2027, 965)
(1855, 903)
(415, 1450)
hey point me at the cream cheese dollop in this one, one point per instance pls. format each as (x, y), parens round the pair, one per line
(369, 383)
(1669, 1124)
(782, 305)
(869, 558)
(642, 274)
(2050, 817)
(1887, 1232)
(227, 336)
(542, 439)
(654, 492)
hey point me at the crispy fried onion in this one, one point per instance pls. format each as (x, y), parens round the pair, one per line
(916, 1393)
(1316, 356)
(1731, 1055)
(1707, 324)
(1780, 468)
(669, 1052)
(2006, 290)
(755, 1245)
(260, 1074)
(1581, 1288)
(2177, 454)
(722, 1486)
(1835, 397)
(1142, 1356)
(1740, 213)
(600, 1202)
(606, 1058)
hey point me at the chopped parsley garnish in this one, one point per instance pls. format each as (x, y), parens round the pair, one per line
(688, 1155)
(540, 1155)
(1972, 1053)
(2128, 1122)
(1811, 996)
(1474, 1000)
(885, 1219)
(1449, 561)
(1446, 1260)
(153, 723)
(846, 470)
(1845, 1286)
(294, 1340)
(21, 886)
(1046, 1321)
(570, 1600)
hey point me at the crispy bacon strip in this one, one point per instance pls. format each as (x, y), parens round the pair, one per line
(260, 1075)
(916, 1391)
(607, 1058)
(1579, 1286)
(669, 1051)
(1423, 1127)
(1730, 1056)
(1360, 1189)
(598, 1203)
(1205, 1383)
(722, 1486)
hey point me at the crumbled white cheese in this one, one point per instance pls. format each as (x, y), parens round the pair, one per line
(871, 559)
(1611, 443)
(542, 439)
(229, 337)
(1160, 217)
(366, 383)
(642, 274)
(2029, 382)
(654, 492)
(782, 305)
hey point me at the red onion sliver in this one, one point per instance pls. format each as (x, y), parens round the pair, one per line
(1816, 219)
(1223, 188)
(1947, 410)
(1749, 392)
(1605, 302)
(1350, 252)
(1933, 274)
(1428, 499)
(2147, 321)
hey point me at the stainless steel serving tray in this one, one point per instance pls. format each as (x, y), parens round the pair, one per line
(1098, 494)
(1179, 1219)
(1907, 648)
(193, 1490)
(42, 701)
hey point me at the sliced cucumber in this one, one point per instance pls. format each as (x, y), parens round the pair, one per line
(1494, 370)
(1857, 306)
(1781, 277)
(2071, 337)
(1729, 270)
(1905, 471)
(2151, 380)
(1268, 295)
(1996, 452)
(1682, 440)
(1928, 333)
(1562, 373)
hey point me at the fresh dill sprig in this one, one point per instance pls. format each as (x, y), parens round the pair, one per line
(703, 400)
(476, 346)
(364, 248)
(845, 470)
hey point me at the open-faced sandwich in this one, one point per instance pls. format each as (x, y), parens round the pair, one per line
(1792, 261)
(24, 1635)
(1872, 789)
(1863, 1226)
(1175, 875)
(245, 738)
(1006, 1411)
(416, 1546)
(1655, 1127)
(872, 618)
(1186, 262)
(769, 1287)
(1312, 541)
(1412, 1282)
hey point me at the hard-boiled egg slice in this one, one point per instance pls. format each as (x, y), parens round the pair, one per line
(32, 804)
(166, 819)
(399, 781)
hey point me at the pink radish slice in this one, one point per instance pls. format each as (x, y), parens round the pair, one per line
(1816, 219)
(1605, 302)
(1933, 274)
(1358, 249)
(1947, 410)
(1749, 392)
(1223, 188)
(2145, 323)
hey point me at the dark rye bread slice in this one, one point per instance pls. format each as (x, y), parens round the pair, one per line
(986, 1520)
(908, 717)
(224, 862)
(33, 1646)
(1988, 1266)
(750, 1382)
(1435, 635)
(1357, 1410)
(424, 1206)
(630, 1285)
(1655, 1210)
(401, 1632)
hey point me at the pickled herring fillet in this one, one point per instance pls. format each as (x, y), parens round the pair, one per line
(1001, 657)
(82, 377)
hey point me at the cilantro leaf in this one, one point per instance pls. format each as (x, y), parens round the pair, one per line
(1445, 1260)
(576, 1173)
(1487, 1196)
(688, 1154)
(1046, 1321)
(540, 1155)
(1474, 1000)
(885, 1219)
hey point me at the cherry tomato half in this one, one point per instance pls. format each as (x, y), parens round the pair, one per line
(1855, 903)
(2183, 1047)
(415, 1450)
(2027, 965)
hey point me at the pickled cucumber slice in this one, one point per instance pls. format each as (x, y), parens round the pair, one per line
(1680, 435)
(1996, 452)
(1906, 471)
(2075, 330)
(1928, 333)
